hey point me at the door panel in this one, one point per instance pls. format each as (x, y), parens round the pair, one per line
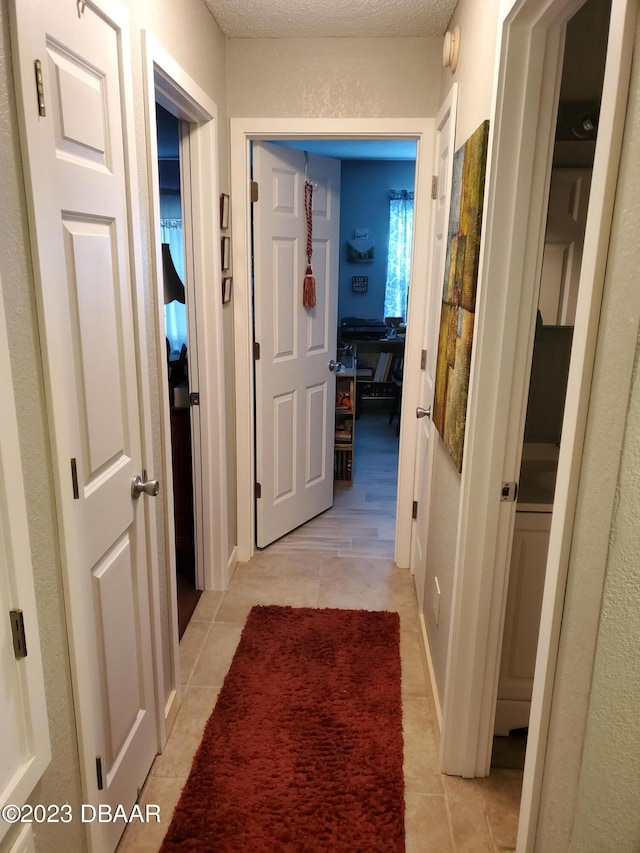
(86, 296)
(294, 422)
(445, 133)
(563, 245)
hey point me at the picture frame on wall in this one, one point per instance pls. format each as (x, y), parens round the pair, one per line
(225, 253)
(227, 282)
(224, 211)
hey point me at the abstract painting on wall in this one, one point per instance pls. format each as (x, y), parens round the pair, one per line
(459, 292)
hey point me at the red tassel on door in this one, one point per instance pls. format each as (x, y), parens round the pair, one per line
(309, 289)
(309, 283)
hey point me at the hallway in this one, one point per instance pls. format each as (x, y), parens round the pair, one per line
(343, 558)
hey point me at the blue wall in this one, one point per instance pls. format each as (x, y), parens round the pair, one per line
(364, 203)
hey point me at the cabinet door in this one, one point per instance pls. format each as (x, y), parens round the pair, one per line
(524, 603)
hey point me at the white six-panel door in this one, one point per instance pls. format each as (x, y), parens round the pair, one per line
(76, 167)
(295, 389)
(444, 149)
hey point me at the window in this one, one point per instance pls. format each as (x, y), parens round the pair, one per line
(399, 257)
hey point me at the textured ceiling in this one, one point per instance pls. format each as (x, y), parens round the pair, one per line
(331, 18)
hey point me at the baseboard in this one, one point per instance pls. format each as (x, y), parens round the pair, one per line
(232, 562)
(171, 710)
(428, 664)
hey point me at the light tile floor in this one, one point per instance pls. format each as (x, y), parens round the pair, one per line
(341, 559)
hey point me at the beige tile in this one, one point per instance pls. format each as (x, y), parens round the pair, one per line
(413, 676)
(147, 837)
(207, 606)
(288, 591)
(350, 587)
(421, 765)
(217, 654)
(426, 824)
(191, 645)
(467, 815)
(502, 791)
(186, 734)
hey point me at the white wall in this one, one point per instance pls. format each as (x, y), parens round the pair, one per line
(341, 78)
(478, 25)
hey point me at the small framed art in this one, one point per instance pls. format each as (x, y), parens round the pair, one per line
(224, 211)
(359, 283)
(227, 281)
(225, 252)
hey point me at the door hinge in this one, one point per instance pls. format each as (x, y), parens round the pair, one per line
(194, 398)
(258, 490)
(509, 491)
(74, 480)
(423, 359)
(17, 632)
(254, 192)
(99, 772)
(256, 351)
(434, 187)
(39, 87)
(414, 511)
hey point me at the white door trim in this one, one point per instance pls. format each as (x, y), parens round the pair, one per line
(243, 130)
(166, 81)
(530, 52)
(14, 542)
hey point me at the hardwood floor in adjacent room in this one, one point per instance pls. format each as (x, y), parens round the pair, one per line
(342, 558)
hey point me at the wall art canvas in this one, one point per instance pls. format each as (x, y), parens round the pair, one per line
(455, 341)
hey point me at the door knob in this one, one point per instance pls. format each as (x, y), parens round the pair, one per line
(149, 487)
(423, 413)
(336, 366)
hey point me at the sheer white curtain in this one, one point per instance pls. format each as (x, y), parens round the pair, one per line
(175, 313)
(399, 257)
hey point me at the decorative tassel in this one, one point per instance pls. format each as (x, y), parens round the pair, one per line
(309, 283)
(309, 289)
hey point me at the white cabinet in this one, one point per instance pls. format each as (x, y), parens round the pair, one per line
(522, 620)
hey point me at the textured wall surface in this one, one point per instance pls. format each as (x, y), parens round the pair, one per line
(474, 75)
(309, 18)
(339, 78)
(478, 22)
(441, 553)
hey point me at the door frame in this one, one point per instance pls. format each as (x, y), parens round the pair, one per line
(526, 93)
(76, 617)
(242, 132)
(16, 551)
(166, 82)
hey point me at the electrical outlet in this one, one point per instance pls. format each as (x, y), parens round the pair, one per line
(436, 601)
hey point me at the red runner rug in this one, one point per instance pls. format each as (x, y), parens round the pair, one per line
(303, 751)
